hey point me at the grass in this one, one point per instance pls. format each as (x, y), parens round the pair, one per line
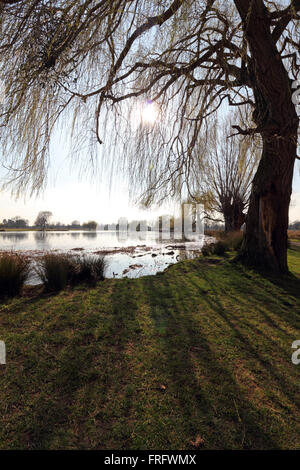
(200, 351)
(55, 271)
(89, 269)
(14, 270)
(58, 271)
(225, 241)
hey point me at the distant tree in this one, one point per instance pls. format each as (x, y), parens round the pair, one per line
(75, 224)
(227, 166)
(214, 226)
(295, 225)
(15, 222)
(43, 219)
(19, 222)
(91, 225)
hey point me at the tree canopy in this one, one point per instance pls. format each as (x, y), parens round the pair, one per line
(226, 168)
(43, 219)
(74, 60)
(79, 61)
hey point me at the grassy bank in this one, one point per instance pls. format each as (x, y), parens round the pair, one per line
(197, 356)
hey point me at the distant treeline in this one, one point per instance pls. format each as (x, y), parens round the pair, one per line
(21, 223)
(15, 222)
(136, 225)
(295, 225)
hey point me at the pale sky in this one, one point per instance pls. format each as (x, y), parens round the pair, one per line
(74, 201)
(69, 198)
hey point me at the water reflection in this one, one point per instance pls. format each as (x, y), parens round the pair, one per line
(89, 241)
(41, 240)
(75, 235)
(14, 237)
(89, 234)
(137, 254)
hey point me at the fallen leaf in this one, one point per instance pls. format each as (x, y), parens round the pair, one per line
(162, 387)
(198, 442)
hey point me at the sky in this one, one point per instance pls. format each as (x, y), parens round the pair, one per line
(75, 200)
(70, 198)
(89, 197)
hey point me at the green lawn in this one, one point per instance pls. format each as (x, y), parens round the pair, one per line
(203, 350)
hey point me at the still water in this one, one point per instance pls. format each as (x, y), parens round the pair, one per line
(132, 254)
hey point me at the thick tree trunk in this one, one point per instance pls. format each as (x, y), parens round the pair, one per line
(265, 241)
(234, 216)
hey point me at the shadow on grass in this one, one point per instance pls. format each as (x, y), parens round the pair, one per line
(205, 343)
(154, 362)
(68, 372)
(210, 401)
(261, 306)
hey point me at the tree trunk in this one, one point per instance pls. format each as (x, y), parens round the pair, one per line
(234, 216)
(265, 241)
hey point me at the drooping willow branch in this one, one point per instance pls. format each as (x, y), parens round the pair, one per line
(95, 63)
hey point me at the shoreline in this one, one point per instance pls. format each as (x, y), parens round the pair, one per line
(132, 261)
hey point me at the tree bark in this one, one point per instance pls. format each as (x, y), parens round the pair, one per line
(265, 241)
(234, 216)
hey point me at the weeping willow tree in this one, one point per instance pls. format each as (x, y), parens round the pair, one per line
(226, 167)
(95, 65)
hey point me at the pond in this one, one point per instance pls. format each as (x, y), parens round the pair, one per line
(132, 254)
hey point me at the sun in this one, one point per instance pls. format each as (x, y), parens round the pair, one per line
(149, 112)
